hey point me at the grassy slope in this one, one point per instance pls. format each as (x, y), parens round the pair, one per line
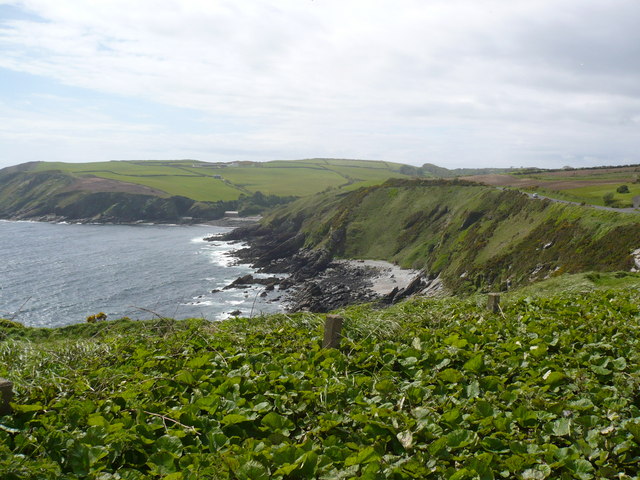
(426, 389)
(282, 178)
(474, 236)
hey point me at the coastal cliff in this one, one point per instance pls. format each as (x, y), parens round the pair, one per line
(467, 236)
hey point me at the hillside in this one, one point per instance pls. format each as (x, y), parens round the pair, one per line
(227, 181)
(171, 190)
(441, 389)
(471, 236)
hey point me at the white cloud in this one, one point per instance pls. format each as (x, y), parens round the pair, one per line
(455, 82)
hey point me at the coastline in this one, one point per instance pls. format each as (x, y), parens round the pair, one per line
(314, 280)
(231, 222)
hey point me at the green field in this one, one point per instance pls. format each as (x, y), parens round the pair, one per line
(594, 194)
(436, 389)
(212, 182)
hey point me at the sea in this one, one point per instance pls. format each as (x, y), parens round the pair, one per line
(59, 274)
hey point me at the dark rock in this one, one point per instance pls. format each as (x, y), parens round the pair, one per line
(235, 313)
(388, 298)
(241, 282)
(316, 283)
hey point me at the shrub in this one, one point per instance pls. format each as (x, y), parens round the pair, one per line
(622, 189)
(608, 198)
(4, 323)
(98, 317)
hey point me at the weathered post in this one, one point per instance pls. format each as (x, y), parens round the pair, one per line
(332, 331)
(6, 396)
(493, 302)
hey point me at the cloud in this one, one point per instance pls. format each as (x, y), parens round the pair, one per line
(454, 82)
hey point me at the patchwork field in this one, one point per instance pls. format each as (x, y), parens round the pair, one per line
(584, 185)
(226, 181)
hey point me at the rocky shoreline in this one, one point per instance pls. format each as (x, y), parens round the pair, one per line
(312, 280)
(232, 222)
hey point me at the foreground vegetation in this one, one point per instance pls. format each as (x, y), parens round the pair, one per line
(547, 388)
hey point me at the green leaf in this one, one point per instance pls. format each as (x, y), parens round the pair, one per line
(26, 408)
(524, 417)
(234, 418)
(494, 444)
(252, 470)
(561, 427)
(455, 341)
(473, 389)
(79, 459)
(185, 376)
(581, 468)
(475, 364)
(308, 463)
(170, 444)
(481, 465)
(97, 420)
(484, 409)
(634, 429)
(598, 370)
(619, 363)
(262, 407)
(538, 472)
(553, 378)
(364, 456)
(385, 386)
(198, 362)
(460, 438)
(174, 476)
(277, 423)
(216, 440)
(450, 375)
(405, 438)
(162, 462)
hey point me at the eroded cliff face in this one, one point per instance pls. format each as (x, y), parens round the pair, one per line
(472, 237)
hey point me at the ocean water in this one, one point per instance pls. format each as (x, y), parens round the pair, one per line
(58, 274)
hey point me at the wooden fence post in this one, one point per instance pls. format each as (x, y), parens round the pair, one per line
(493, 302)
(6, 396)
(332, 331)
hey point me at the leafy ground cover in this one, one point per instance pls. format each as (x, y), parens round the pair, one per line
(547, 388)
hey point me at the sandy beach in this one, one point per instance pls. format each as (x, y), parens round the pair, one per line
(388, 276)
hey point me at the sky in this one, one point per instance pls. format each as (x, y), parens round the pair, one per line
(458, 83)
